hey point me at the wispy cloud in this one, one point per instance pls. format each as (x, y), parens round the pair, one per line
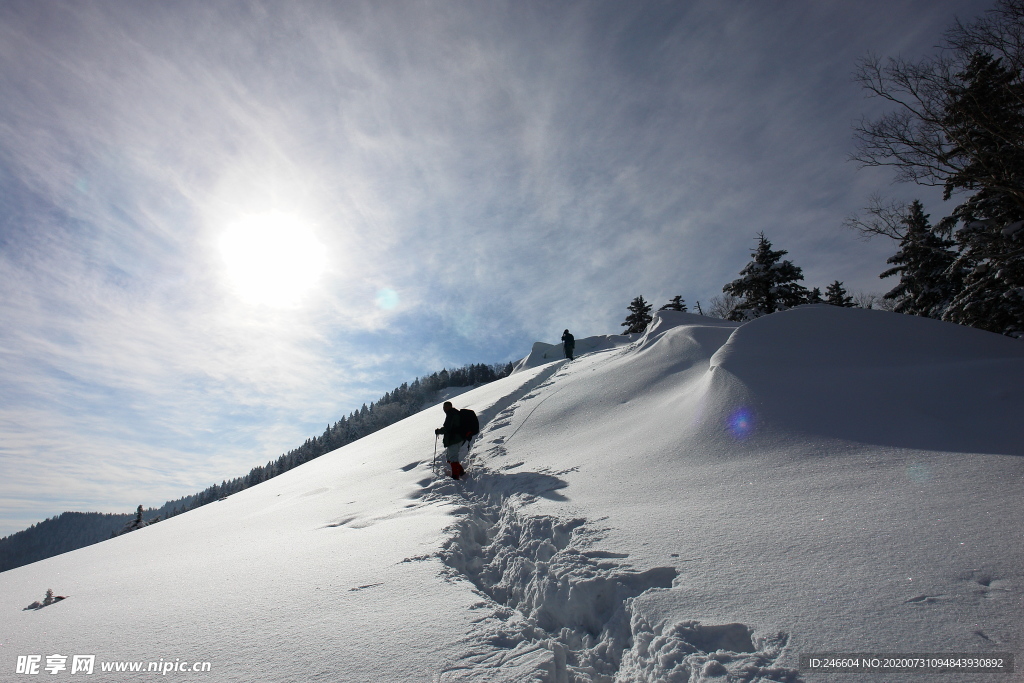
(504, 169)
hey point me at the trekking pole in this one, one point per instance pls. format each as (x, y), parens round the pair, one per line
(433, 465)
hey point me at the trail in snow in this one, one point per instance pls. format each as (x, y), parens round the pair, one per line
(554, 607)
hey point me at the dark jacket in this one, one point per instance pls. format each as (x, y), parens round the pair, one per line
(568, 340)
(452, 429)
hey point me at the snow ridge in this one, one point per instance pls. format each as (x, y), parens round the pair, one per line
(556, 609)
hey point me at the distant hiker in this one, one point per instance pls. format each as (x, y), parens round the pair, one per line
(454, 436)
(568, 343)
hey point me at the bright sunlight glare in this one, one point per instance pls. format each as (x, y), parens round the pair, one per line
(272, 259)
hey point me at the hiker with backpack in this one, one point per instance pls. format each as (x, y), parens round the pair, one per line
(569, 344)
(459, 427)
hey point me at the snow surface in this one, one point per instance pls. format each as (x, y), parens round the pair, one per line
(542, 353)
(704, 502)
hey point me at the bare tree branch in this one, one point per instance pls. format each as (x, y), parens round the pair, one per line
(883, 218)
(925, 137)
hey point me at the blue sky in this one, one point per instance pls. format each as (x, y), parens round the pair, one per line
(472, 177)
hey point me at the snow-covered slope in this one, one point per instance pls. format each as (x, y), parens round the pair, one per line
(542, 353)
(701, 502)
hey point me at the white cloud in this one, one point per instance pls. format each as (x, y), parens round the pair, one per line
(508, 169)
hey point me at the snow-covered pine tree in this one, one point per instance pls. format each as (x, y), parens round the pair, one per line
(959, 124)
(639, 316)
(132, 524)
(677, 303)
(815, 296)
(835, 294)
(767, 284)
(986, 117)
(927, 281)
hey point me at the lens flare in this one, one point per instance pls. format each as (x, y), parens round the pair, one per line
(387, 299)
(466, 325)
(919, 473)
(741, 423)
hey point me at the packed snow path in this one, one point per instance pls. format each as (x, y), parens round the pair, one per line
(555, 608)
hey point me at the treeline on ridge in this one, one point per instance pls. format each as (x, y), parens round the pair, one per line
(59, 534)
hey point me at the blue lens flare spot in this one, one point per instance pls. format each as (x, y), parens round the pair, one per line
(387, 299)
(741, 423)
(919, 473)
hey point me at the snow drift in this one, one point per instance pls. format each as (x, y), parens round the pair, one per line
(706, 501)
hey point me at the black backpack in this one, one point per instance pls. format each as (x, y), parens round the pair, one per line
(469, 422)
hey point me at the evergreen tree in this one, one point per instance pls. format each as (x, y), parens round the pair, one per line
(767, 284)
(985, 113)
(924, 263)
(639, 316)
(676, 304)
(956, 113)
(136, 523)
(835, 294)
(959, 124)
(815, 296)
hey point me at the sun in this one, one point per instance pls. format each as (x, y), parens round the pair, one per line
(272, 259)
